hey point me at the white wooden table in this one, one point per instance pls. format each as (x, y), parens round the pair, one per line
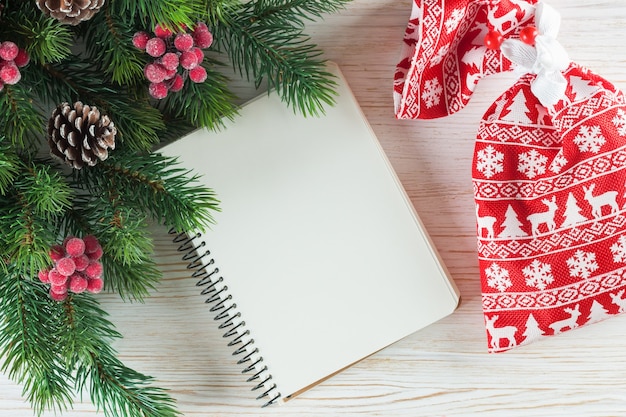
(443, 370)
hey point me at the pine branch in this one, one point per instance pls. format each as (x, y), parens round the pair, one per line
(29, 345)
(20, 121)
(169, 13)
(204, 104)
(9, 166)
(264, 41)
(116, 389)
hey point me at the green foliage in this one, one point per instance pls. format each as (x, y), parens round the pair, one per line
(58, 349)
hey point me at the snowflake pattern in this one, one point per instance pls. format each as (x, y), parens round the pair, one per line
(538, 274)
(558, 162)
(620, 122)
(532, 163)
(582, 264)
(453, 21)
(432, 92)
(498, 277)
(619, 249)
(589, 139)
(489, 161)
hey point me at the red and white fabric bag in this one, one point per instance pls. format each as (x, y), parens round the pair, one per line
(550, 190)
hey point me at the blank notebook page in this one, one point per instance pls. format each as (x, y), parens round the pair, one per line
(316, 240)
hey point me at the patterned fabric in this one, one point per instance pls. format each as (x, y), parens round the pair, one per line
(444, 55)
(549, 187)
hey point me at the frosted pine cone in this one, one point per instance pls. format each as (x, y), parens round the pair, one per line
(79, 135)
(70, 12)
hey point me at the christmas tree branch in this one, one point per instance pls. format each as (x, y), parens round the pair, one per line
(28, 343)
(9, 166)
(20, 121)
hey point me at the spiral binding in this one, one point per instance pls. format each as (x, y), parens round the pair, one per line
(226, 313)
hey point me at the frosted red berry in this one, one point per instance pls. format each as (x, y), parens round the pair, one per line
(162, 32)
(43, 275)
(56, 252)
(93, 270)
(140, 39)
(170, 61)
(203, 39)
(22, 59)
(75, 246)
(78, 283)
(197, 74)
(188, 60)
(95, 285)
(56, 278)
(91, 243)
(58, 296)
(177, 83)
(10, 73)
(199, 54)
(183, 42)
(81, 262)
(493, 39)
(65, 266)
(97, 254)
(155, 47)
(8, 50)
(155, 73)
(158, 90)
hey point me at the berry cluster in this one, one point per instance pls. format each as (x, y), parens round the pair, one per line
(77, 267)
(12, 58)
(171, 53)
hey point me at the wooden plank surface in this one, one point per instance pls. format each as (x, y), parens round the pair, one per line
(443, 370)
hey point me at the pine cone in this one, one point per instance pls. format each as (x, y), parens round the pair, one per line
(79, 135)
(70, 12)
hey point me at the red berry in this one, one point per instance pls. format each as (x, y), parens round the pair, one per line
(162, 32)
(200, 27)
(93, 270)
(183, 42)
(58, 296)
(95, 285)
(75, 246)
(199, 54)
(97, 254)
(158, 90)
(203, 39)
(56, 252)
(188, 60)
(91, 243)
(81, 262)
(55, 278)
(528, 35)
(493, 39)
(177, 83)
(78, 283)
(9, 73)
(170, 74)
(140, 39)
(8, 50)
(43, 275)
(155, 73)
(197, 74)
(155, 47)
(66, 266)
(22, 59)
(170, 61)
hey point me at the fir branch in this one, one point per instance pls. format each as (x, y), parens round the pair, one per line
(169, 13)
(29, 345)
(9, 166)
(46, 40)
(285, 12)
(282, 54)
(108, 44)
(44, 191)
(204, 104)
(20, 121)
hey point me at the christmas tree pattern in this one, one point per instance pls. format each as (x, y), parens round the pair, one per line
(582, 89)
(517, 112)
(572, 212)
(532, 330)
(597, 313)
(512, 226)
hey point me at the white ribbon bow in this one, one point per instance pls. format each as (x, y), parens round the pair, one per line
(546, 59)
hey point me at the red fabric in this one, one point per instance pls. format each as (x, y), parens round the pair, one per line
(444, 55)
(549, 186)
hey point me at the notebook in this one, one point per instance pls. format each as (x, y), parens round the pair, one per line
(317, 258)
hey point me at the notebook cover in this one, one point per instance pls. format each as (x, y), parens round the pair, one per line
(317, 242)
